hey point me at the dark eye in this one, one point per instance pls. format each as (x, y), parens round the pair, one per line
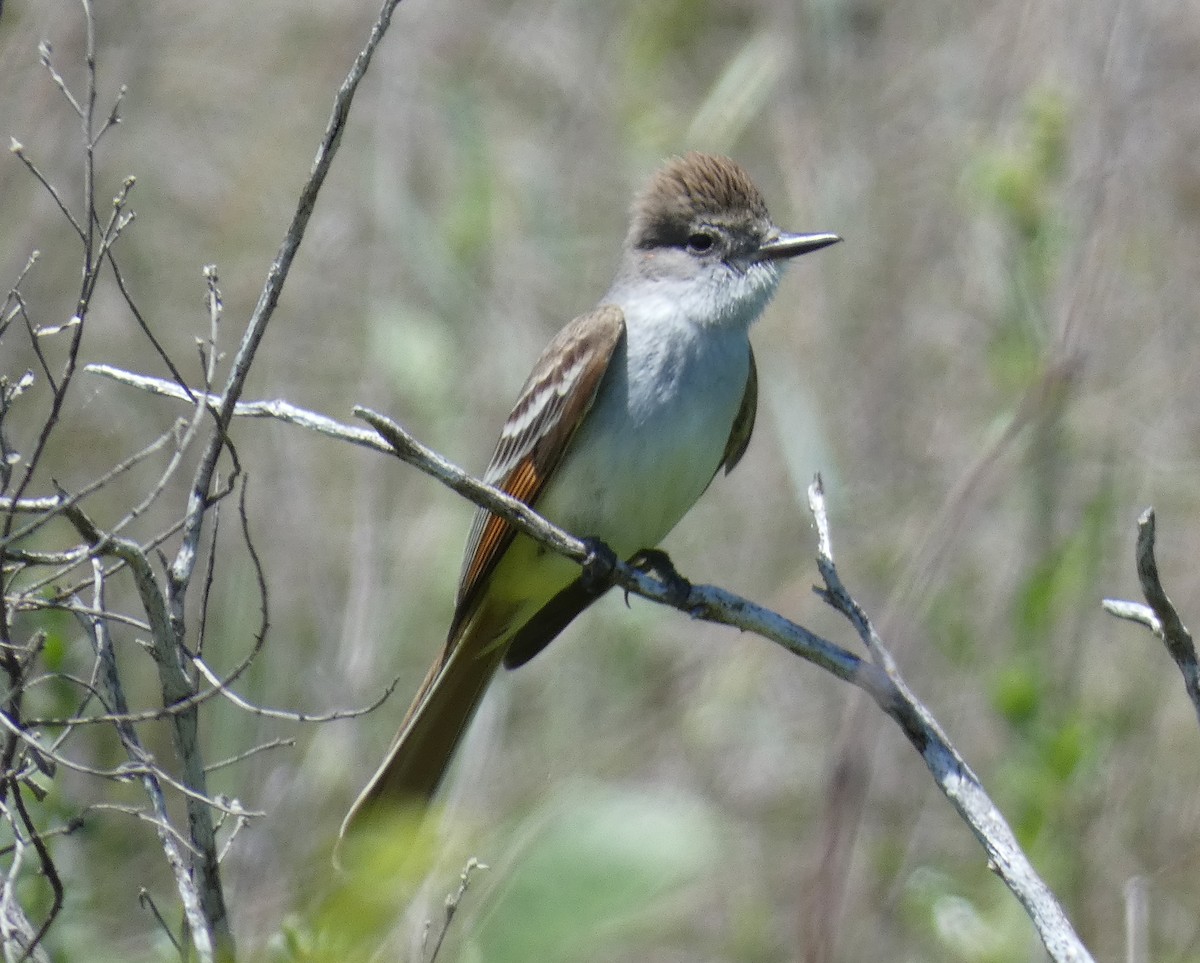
(701, 242)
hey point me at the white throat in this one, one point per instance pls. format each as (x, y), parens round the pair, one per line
(716, 295)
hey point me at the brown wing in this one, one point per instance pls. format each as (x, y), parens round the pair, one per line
(536, 435)
(743, 424)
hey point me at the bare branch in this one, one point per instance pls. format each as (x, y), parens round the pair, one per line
(44, 52)
(36, 334)
(278, 409)
(879, 678)
(195, 862)
(212, 934)
(114, 115)
(950, 771)
(14, 303)
(291, 715)
(1160, 615)
(18, 150)
(200, 497)
(277, 275)
(17, 935)
(78, 608)
(453, 901)
(111, 680)
(142, 323)
(55, 576)
(146, 900)
(53, 506)
(249, 753)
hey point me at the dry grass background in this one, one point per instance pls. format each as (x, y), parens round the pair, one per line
(995, 373)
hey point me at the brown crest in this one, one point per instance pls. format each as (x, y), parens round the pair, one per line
(694, 186)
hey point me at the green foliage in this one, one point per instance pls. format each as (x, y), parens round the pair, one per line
(1024, 181)
(1060, 740)
(952, 621)
(414, 350)
(55, 625)
(596, 868)
(1016, 694)
(1051, 588)
(982, 927)
(358, 903)
(467, 219)
(1021, 184)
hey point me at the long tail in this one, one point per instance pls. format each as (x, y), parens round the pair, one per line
(431, 730)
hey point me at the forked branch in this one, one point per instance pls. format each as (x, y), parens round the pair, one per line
(1159, 615)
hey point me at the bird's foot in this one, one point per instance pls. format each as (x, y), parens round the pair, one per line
(656, 562)
(599, 566)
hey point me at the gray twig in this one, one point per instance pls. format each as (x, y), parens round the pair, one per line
(1160, 615)
(278, 409)
(453, 901)
(18, 936)
(950, 771)
(110, 680)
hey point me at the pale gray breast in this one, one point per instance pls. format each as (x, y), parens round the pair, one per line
(655, 436)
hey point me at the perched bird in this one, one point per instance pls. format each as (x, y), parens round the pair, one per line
(627, 417)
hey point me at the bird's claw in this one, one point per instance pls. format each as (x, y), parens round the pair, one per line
(656, 562)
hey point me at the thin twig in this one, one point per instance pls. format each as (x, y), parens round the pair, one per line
(29, 941)
(142, 816)
(453, 901)
(54, 577)
(44, 51)
(36, 336)
(120, 618)
(126, 772)
(278, 409)
(207, 921)
(14, 305)
(210, 574)
(290, 715)
(17, 149)
(146, 900)
(114, 115)
(56, 504)
(249, 753)
(16, 931)
(142, 323)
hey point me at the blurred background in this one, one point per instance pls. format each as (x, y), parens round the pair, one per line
(995, 374)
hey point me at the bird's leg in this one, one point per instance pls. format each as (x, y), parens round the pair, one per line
(656, 562)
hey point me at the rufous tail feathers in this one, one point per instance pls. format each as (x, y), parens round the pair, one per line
(431, 731)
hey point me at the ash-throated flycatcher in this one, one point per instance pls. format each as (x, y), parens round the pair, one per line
(627, 417)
